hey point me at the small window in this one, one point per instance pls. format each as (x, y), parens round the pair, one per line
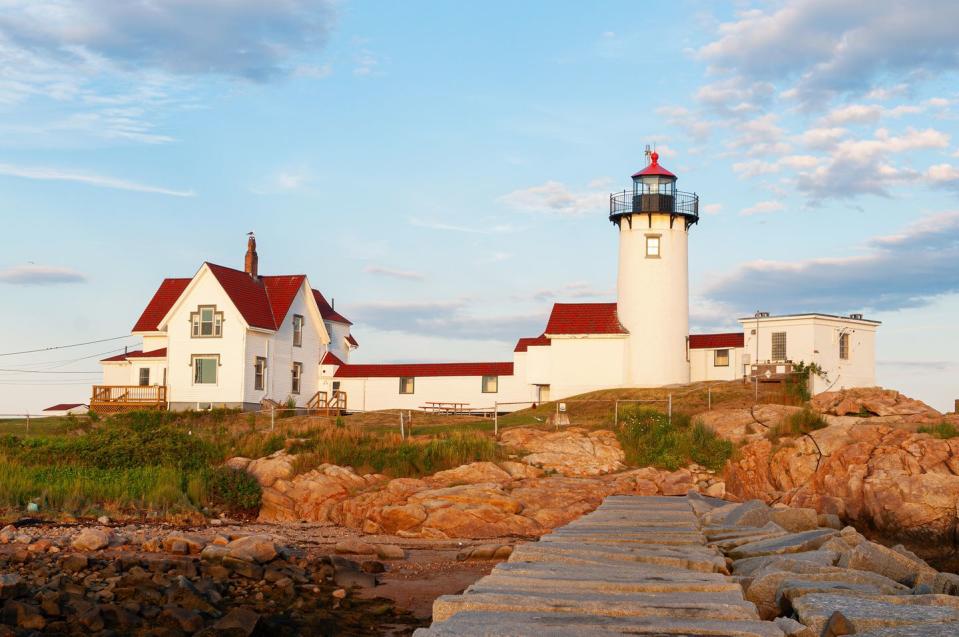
(844, 346)
(297, 377)
(490, 384)
(144, 376)
(207, 322)
(204, 369)
(329, 329)
(721, 358)
(407, 384)
(779, 346)
(259, 373)
(297, 330)
(652, 246)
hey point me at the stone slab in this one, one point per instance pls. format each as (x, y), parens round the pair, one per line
(685, 557)
(791, 543)
(682, 605)
(915, 630)
(494, 624)
(877, 611)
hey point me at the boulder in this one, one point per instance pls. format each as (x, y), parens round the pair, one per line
(795, 519)
(402, 517)
(473, 473)
(276, 466)
(905, 569)
(752, 513)
(354, 546)
(865, 613)
(253, 548)
(90, 539)
(572, 451)
(239, 622)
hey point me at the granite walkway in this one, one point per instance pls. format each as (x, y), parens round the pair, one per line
(634, 566)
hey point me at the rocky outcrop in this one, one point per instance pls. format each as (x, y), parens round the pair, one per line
(477, 500)
(901, 484)
(572, 451)
(745, 424)
(866, 402)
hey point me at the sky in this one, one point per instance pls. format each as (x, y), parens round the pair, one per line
(442, 170)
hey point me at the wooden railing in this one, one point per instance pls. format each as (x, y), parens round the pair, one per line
(332, 405)
(109, 399)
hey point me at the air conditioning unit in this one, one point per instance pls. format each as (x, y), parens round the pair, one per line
(762, 314)
(856, 317)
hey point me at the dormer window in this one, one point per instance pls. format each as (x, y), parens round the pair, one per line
(297, 330)
(207, 322)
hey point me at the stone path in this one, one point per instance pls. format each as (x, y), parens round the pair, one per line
(635, 565)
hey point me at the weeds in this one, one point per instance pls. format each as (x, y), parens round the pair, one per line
(233, 489)
(650, 440)
(799, 423)
(391, 454)
(943, 430)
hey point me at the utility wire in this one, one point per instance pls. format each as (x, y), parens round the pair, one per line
(67, 361)
(44, 371)
(47, 349)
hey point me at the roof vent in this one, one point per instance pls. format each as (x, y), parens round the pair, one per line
(762, 314)
(856, 317)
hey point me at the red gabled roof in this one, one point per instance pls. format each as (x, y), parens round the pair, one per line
(118, 357)
(525, 343)
(153, 353)
(425, 369)
(351, 340)
(584, 318)
(263, 302)
(64, 406)
(327, 311)
(711, 341)
(331, 359)
(164, 298)
(654, 168)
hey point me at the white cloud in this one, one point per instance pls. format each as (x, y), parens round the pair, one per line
(822, 138)
(451, 319)
(498, 228)
(713, 208)
(575, 290)
(945, 175)
(407, 275)
(760, 136)
(101, 181)
(907, 269)
(853, 114)
(32, 274)
(556, 198)
(830, 47)
(763, 207)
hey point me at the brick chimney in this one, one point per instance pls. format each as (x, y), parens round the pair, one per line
(250, 263)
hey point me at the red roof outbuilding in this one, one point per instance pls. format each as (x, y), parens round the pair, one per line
(584, 318)
(713, 341)
(524, 344)
(390, 370)
(65, 407)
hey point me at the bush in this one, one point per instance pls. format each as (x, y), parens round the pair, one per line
(650, 440)
(798, 424)
(233, 489)
(943, 430)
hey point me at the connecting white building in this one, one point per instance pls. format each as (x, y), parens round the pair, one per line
(234, 338)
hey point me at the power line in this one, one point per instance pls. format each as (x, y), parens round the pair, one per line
(66, 361)
(47, 349)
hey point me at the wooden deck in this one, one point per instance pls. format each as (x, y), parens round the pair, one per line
(113, 399)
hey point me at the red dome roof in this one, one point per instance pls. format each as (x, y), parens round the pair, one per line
(654, 168)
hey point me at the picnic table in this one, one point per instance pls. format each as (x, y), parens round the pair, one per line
(446, 408)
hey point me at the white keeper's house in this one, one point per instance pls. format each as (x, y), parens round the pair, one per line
(234, 338)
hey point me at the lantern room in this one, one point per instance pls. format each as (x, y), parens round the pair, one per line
(654, 191)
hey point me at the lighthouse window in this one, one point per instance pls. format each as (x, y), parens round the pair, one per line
(652, 246)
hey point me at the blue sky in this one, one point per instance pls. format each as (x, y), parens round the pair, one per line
(442, 169)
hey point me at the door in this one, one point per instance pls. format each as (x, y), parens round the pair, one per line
(543, 396)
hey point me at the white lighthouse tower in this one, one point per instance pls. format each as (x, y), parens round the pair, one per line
(653, 283)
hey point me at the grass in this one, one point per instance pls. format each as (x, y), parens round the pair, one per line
(943, 430)
(649, 439)
(51, 426)
(797, 424)
(391, 455)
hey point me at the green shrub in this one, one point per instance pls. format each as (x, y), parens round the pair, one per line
(233, 489)
(943, 430)
(798, 424)
(650, 440)
(289, 408)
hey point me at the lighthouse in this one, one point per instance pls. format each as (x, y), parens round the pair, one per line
(652, 288)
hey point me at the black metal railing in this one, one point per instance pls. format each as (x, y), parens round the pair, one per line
(680, 203)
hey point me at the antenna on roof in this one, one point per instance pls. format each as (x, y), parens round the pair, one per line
(648, 154)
